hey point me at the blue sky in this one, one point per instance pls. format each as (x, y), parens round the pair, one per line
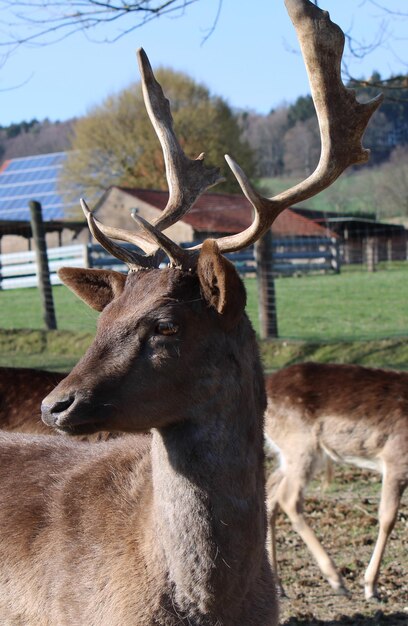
(249, 58)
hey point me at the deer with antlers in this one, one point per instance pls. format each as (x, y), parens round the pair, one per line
(169, 529)
(346, 413)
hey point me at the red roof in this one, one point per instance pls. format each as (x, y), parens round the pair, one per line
(4, 165)
(230, 213)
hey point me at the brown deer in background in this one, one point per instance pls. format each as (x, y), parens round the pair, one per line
(169, 529)
(21, 393)
(349, 414)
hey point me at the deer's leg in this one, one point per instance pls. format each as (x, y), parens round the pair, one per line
(391, 492)
(290, 497)
(328, 473)
(271, 490)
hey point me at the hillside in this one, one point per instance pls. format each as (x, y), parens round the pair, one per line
(379, 192)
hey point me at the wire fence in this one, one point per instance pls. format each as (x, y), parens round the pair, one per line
(353, 305)
(363, 296)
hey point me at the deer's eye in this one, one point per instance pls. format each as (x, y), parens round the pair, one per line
(167, 328)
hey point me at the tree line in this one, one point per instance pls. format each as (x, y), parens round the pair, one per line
(287, 143)
(34, 137)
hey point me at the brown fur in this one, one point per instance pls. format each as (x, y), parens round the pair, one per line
(164, 531)
(346, 413)
(218, 278)
(96, 289)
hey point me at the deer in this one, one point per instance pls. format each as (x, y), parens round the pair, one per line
(169, 528)
(346, 414)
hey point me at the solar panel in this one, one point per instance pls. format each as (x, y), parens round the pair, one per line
(32, 178)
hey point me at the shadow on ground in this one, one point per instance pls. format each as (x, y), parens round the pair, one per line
(358, 619)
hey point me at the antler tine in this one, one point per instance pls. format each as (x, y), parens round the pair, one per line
(178, 257)
(102, 233)
(137, 239)
(187, 178)
(342, 122)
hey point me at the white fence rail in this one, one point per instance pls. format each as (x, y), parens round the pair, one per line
(19, 269)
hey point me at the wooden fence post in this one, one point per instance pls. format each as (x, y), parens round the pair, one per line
(44, 283)
(266, 287)
(371, 255)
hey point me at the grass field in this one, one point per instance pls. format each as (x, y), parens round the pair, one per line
(351, 193)
(353, 317)
(21, 308)
(348, 306)
(353, 305)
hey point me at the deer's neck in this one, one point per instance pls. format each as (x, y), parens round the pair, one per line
(209, 492)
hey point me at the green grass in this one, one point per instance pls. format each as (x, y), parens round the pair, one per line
(352, 193)
(60, 350)
(389, 353)
(353, 317)
(352, 305)
(53, 350)
(21, 308)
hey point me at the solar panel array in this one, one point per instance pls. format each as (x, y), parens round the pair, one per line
(32, 178)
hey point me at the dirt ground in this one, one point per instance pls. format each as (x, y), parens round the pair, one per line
(344, 515)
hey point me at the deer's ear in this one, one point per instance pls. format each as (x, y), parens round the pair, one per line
(220, 284)
(95, 287)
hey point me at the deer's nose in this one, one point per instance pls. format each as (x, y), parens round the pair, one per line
(51, 411)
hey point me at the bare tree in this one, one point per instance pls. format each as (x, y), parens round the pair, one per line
(44, 22)
(264, 134)
(392, 184)
(40, 138)
(384, 37)
(302, 146)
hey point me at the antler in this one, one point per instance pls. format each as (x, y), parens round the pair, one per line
(187, 179)
(131, 258)
(342, 122)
